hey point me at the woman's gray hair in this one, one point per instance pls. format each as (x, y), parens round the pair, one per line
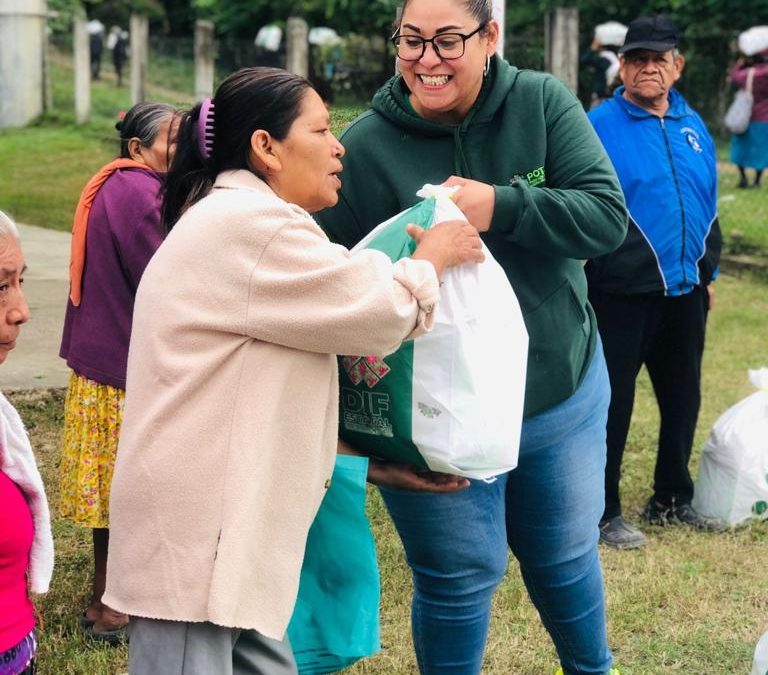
(144, 122)
(8, 227)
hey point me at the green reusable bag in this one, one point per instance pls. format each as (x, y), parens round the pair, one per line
(452, 399)
(336, 618)
(367, 417)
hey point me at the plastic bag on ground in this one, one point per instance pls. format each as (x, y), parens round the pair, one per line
(760, 663)
(733, 474)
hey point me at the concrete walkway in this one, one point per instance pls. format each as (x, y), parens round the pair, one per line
(35, 362)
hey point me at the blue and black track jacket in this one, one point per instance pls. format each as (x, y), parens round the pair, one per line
(668, 173)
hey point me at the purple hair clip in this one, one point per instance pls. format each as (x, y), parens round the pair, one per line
(205, 128)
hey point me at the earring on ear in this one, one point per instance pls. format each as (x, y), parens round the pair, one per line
(487, 64)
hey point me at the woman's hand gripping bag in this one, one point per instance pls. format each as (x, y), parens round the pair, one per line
(451, 400)
(733, 473)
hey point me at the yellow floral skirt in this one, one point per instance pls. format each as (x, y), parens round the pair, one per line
(92, 416)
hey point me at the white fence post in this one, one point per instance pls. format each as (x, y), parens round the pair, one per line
(561, 45)
(22, 27)
(47, 75)
(205, 47)
(139, 57)
(297, 46)
(82, 58)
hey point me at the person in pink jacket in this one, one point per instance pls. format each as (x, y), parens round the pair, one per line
(26, 544)
(229, 431)
(750, 149)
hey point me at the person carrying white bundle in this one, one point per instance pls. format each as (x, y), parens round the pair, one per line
(747, 116)
(602, 58)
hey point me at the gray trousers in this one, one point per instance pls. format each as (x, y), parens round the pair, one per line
(178, 648)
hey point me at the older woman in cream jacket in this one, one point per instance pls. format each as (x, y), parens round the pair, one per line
(229, 432)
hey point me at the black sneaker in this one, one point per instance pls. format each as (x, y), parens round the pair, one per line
(617, 533)
(657, 513)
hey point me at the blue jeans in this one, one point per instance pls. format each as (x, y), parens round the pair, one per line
(547, 511)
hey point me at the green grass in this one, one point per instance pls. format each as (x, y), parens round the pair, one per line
(688, 603)
(45, 168)
(341, 117)
(743, 213)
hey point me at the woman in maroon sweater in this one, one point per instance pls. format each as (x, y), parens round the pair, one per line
(26, 545)
(118, 222)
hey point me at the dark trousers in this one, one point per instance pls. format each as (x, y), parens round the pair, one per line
(666, 334)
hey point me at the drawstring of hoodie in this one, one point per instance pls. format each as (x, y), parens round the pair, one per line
(460, 166)
(459, 160)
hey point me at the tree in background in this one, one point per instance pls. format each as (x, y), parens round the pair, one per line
(699, 17)
(242, 18)
(708, 28)
(109, 12)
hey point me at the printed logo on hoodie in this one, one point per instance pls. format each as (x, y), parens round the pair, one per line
(535, 177)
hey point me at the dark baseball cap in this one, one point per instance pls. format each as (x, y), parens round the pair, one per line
(655, 33)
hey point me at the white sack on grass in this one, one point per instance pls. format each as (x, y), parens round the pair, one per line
(760, 662)
(733, 474)
(451, 400)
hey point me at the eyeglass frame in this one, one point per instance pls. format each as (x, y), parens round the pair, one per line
(425, 41)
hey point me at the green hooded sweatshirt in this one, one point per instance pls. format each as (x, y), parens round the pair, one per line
(558, 201)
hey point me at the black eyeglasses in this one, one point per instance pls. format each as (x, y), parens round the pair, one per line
(446, 45)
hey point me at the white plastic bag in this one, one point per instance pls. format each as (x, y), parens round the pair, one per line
(739, 113)
(451, 400)
(760, 663)
(733, 475)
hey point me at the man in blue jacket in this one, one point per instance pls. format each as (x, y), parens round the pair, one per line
(652, 294)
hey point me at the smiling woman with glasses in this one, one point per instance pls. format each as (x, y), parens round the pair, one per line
(534, 179)
(446, 45)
